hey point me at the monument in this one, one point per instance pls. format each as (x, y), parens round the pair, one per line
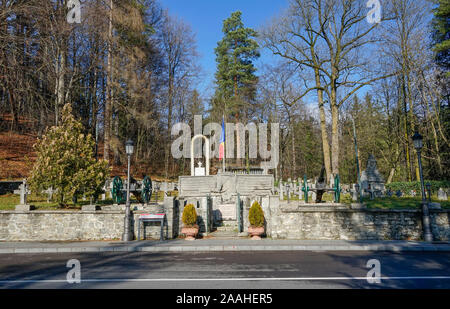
(442, 195)
(372, 182)
(24, 192)
(219, 198)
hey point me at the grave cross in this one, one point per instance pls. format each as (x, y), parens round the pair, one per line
(442, 195)
(280, 191)
(23, 191)
(288, 191)
(49, 192)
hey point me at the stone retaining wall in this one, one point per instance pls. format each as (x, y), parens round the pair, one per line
(347, 224)
(283, 221)
(79, 225)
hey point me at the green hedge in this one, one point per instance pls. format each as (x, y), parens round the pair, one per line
(406, 187)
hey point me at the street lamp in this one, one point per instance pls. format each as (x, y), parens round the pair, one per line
(127, 233)
(418, 144)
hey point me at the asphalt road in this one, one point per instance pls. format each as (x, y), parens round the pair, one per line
(226, 270)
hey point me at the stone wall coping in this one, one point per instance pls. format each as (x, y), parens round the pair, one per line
(340, 209)
(62, 212)
(284, 209)
(70, 212)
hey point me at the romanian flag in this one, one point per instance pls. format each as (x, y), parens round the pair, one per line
(222, 141)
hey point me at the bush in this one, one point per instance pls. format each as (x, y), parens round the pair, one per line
(66, 162)
(189, 216)
(406, 187)
(256, 215)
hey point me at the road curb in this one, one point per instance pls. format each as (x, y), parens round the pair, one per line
(225, 248)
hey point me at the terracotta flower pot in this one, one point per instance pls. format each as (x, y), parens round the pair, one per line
(190, 232)
(256, 232)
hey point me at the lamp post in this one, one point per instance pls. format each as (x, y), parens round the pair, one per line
(127, 233)
(418, 144)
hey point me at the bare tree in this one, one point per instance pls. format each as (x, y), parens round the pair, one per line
(178, 45)
(331, 38)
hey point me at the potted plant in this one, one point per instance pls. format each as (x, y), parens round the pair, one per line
(256, 218)
(190, 228)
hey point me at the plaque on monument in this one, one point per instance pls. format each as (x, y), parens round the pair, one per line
(226, 211)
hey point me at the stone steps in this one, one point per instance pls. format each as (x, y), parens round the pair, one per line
(227, 226)
(226, 229)
(223, 234)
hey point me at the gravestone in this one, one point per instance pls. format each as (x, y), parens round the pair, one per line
(281, 191)
(49, 193)
(354, 192)
(313, 193)
(164, 186)
(200, 171)
(295, 189)
(372, 179)
(442, 195)
(288, 191)
(23, 191)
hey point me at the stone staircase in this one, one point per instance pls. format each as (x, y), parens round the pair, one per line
(226, 229)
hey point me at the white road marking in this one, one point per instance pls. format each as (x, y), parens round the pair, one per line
(230, 279)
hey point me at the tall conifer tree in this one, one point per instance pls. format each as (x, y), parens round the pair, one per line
(235, 77)
(441, 34)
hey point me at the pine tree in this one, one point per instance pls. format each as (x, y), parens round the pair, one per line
(66, 162)
(235, 77)
(441, 34)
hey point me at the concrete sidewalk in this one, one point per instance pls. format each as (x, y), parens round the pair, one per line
(209, 245)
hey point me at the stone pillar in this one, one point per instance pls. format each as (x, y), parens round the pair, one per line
(205, 218)
(313, 194)
(246, 209)
(265, 205)
(274, 206)
(172, 217)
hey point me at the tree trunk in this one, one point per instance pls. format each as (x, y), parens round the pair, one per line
(294, 165)
(109, 94)
(335, 139)
(391, 175)
(169, 123)
(323, 127)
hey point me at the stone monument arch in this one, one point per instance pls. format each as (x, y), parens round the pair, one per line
(206, 154)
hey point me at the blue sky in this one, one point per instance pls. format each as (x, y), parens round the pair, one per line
(206, 18)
